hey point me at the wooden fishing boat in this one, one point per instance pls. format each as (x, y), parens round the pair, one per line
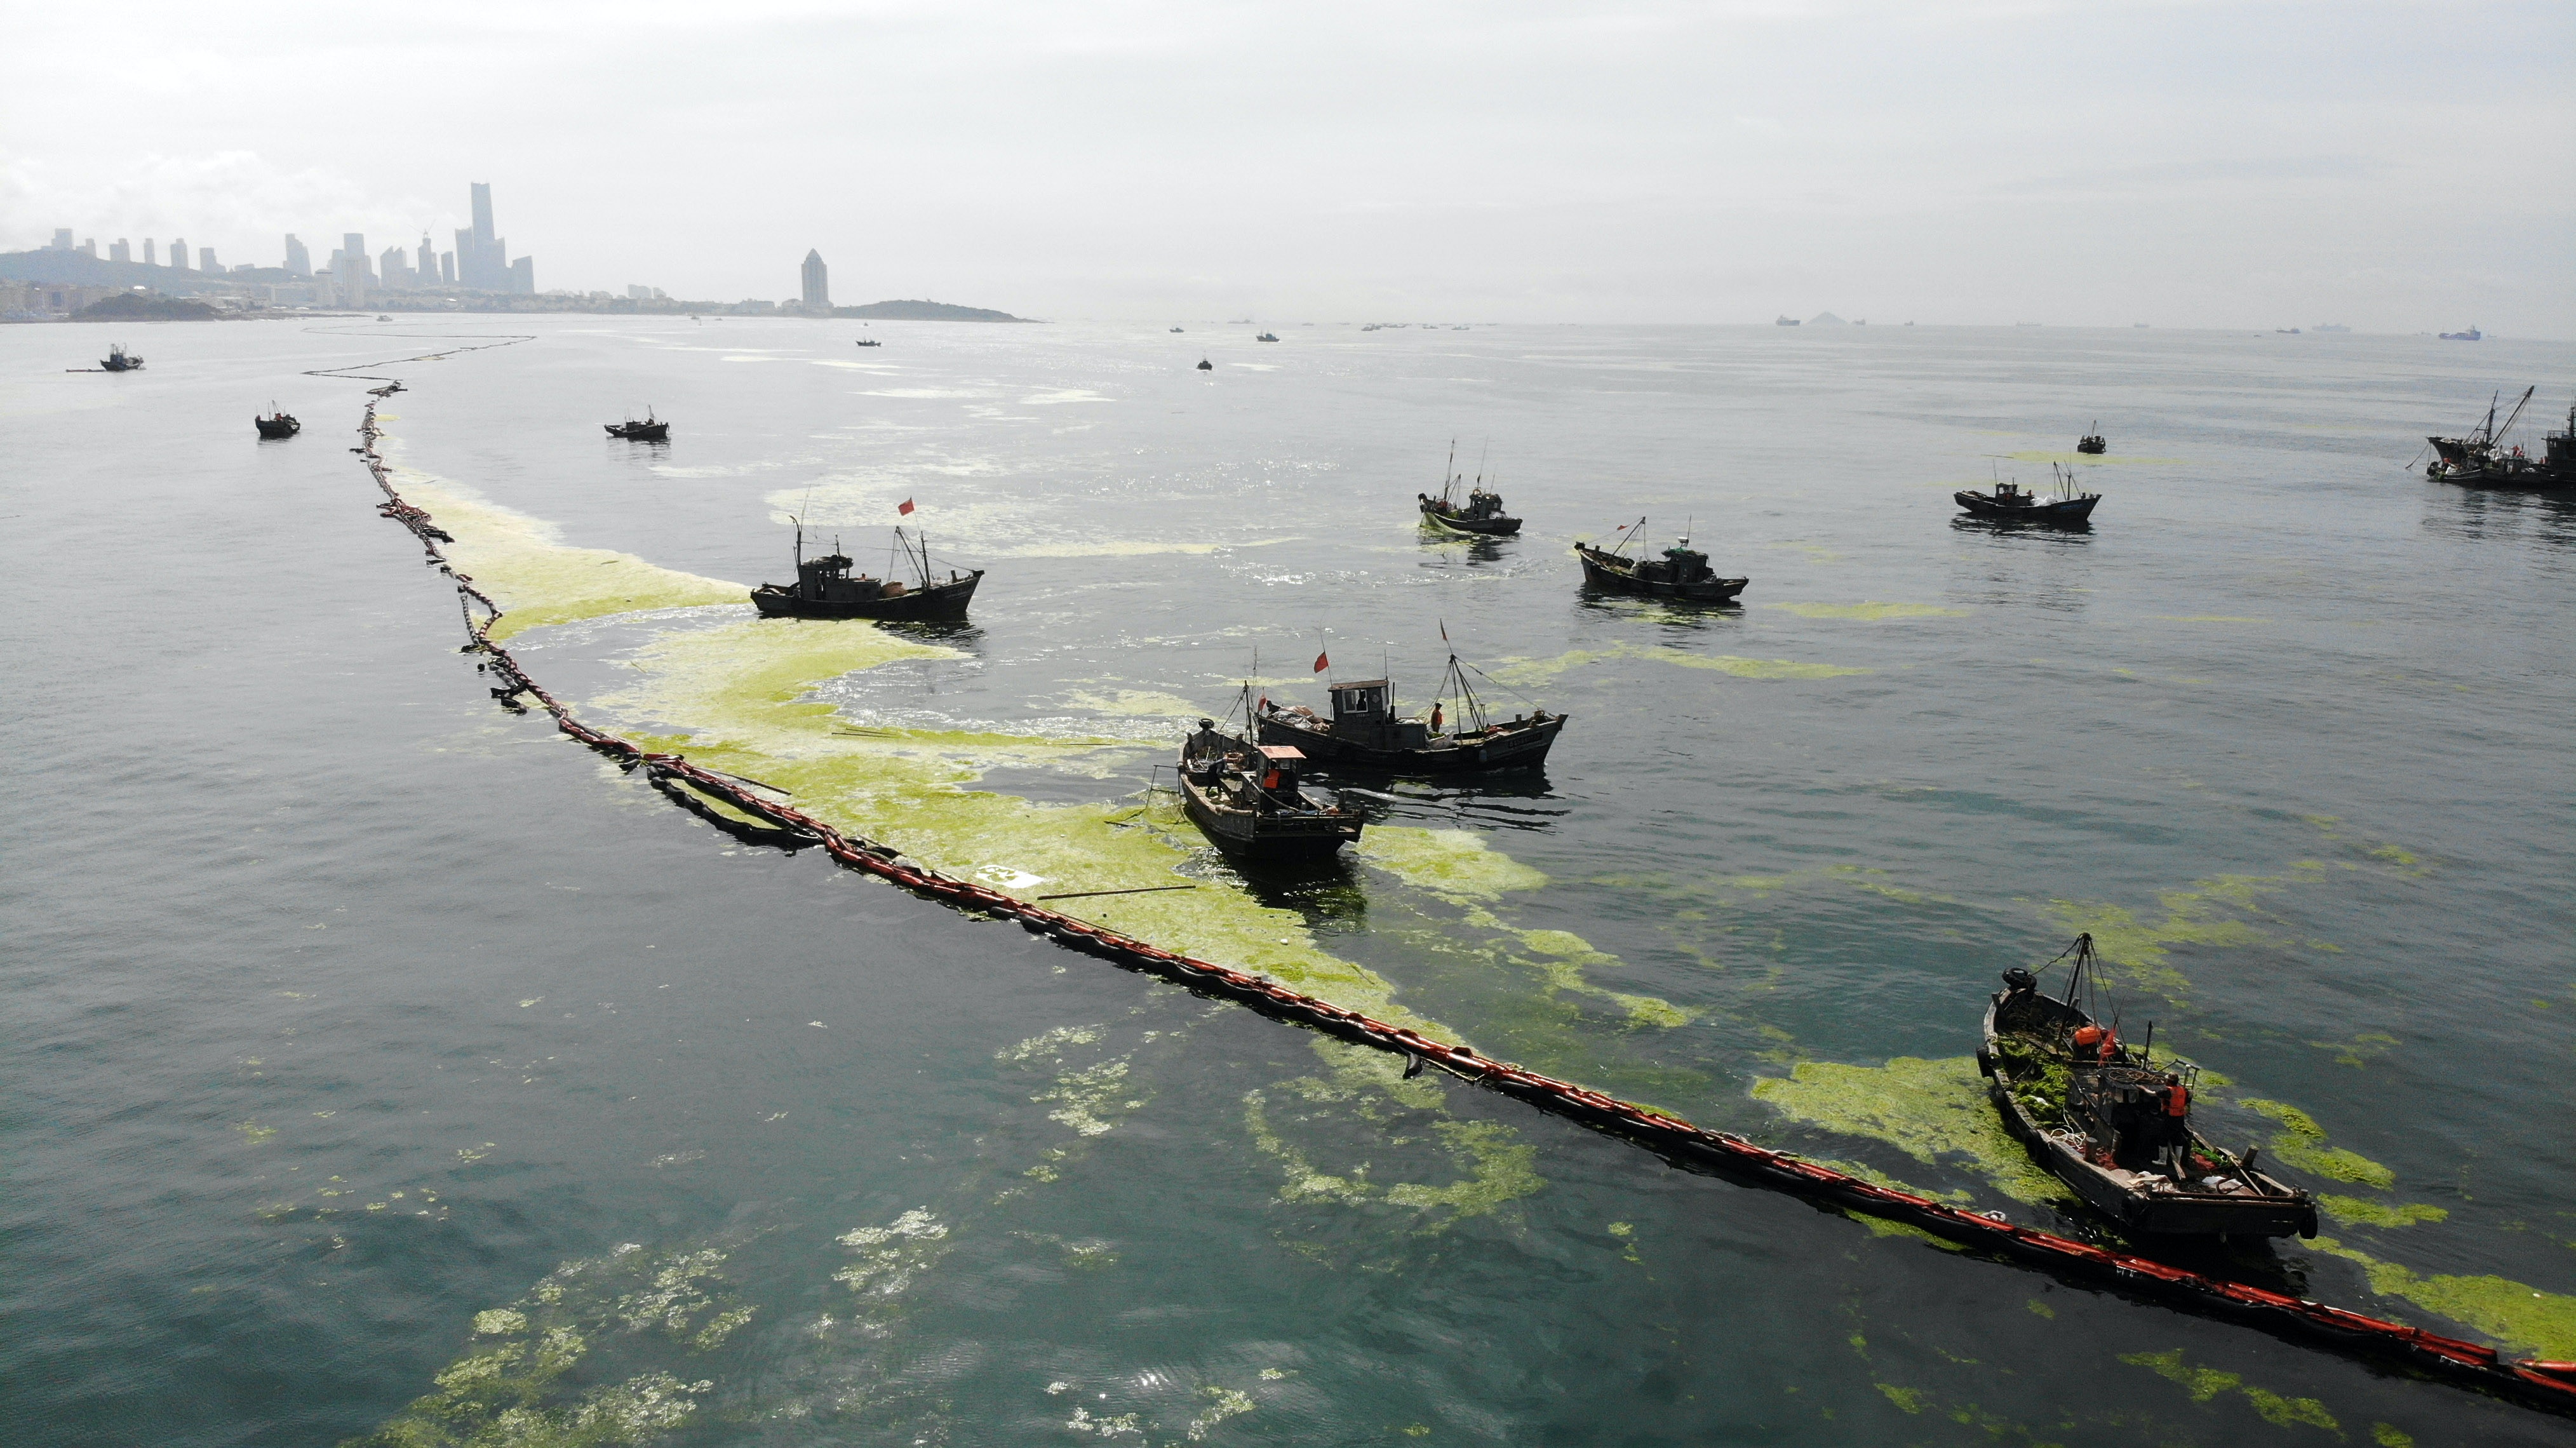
(1365, 733)
(2099, 1116)
(2481, 459)
(1265, 337)
(1682, 572)
(2092, 442)
(870, 342)
(825, 588)
(1206, 366)
(1248, 800)
(119, 360)
(651, 429)
(2009, 502)
(276, 424)
(1480, 516)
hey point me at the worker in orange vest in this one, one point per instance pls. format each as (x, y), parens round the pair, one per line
(2088, 1044)
(2177, 1118)
(2110, 1048)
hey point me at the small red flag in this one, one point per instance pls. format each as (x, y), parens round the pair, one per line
(1322, 663)
(903, 508)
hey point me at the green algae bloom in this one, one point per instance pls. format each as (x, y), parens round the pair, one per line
(1525, 672)
(538, 579)
(2204, 1384)
(1869, 612)
(1457, 864)
(2302, 1143)
(2374, 1214)
(2543, 1323)
(1933, 1111)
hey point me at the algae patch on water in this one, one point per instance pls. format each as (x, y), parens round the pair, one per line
(524, 565)
(1531, 672)
(2511, 1312)
(1869, 612)
(1494, 1166)
(745, 694)
(1933, 1111)
(1458, 864)
(2302, 1144)
(2204, 1384)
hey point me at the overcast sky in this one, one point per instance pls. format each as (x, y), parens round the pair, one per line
(2397, 167)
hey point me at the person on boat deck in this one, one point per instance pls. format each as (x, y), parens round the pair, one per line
(1435, 718)
(2088, 1043)
(2174, 1103)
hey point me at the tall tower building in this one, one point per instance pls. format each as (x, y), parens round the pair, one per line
(818, 283)
(206, 260)
(428, 262)
(117, 250)
(62, 238)
(353, 243)
(483, 211)
(148, 258)
(179, 252)
(447, 267)
(299, 262)
(482, 258)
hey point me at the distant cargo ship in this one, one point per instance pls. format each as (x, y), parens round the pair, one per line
(2471, 335)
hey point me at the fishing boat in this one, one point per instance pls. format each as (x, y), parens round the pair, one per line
(1480, 516)
(825, 587)
(1265, 337)
(2092, 442)
(651, 429)
(1176, 329)
(1249, 801)
(870, 342)
(276, 424)
(2480, 458)
(2008, 502)
(1682, 572)
(1365, 731)
(119, 360)
(1206, 366)
(2114, 1124)
(1785, 320)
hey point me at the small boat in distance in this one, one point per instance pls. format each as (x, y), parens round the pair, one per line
(119, 360)
(2114, 1125)
(276, 424)
(2092, 442)
(1247, 798)
(870, 342)
(2009, 502)
(825, 587)
(1206, 366)
(1364, 730)
(1481, 516)
(1176, 329)
(1265, 337)
(2471, 335)
(1785, 321)
(1681, 573)
(651, 429)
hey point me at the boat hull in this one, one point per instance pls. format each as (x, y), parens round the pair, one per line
(2054, 510)
(939, 601)
(1600, 572)
(276, 429)
(1265, 836)
(1471, 527)
(1522, 747)
(639, 431)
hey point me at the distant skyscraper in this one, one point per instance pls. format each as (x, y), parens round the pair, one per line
(483, 259)
(206, 260)
(349, 277)
(447, 267)
(353, 243)
(394, 270)
(428, 262)
(117, 250)
(299, 262)
(89, 247)
(523, 277)
(483, 211)
(179, 252)
(818, 283)
(62, 238)
(148, 258)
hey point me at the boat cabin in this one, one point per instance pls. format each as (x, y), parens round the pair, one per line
(1680, 564)
(828, 580)
(1362, 715)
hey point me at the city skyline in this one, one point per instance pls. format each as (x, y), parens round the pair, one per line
(1635, 161)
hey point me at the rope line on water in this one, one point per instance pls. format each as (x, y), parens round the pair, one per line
(2548, 1385)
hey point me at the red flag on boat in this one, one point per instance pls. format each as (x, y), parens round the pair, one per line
(903, 508)
(1322, 663)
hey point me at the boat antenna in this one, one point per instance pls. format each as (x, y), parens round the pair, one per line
(1449, 471)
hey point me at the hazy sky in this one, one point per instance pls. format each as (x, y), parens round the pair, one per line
(2396, 167)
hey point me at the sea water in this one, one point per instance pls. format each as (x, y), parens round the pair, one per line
(379, 1062)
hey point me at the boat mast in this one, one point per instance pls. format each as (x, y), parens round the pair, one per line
(2517, 409)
